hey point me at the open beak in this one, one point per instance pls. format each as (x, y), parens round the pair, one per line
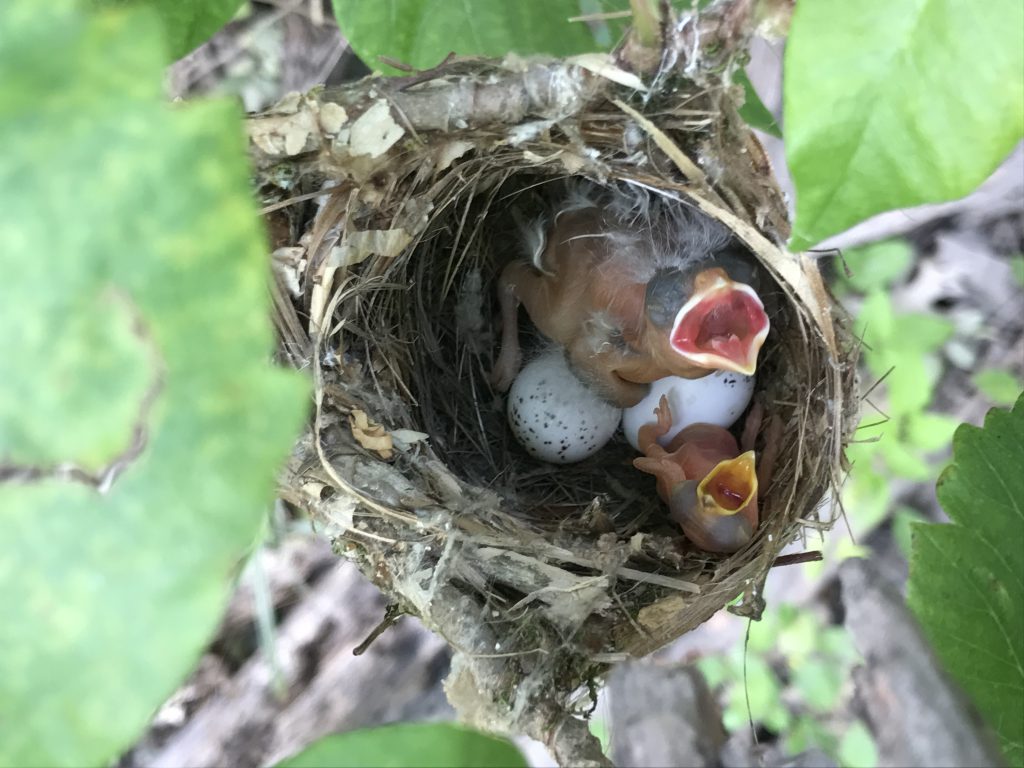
(730, 486)
(722, 326)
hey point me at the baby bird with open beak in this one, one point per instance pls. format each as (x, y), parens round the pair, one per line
(710, 486)
(634, 296)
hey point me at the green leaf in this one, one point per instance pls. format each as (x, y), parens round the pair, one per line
(715, 670)
(1001, 387)
(911, 380)
(903, 461)
(846, 548)
(807, 733)
(1017, 267)
(187, 23)
(878, 265)
(600, 729)
(866, 497)
(967, 579)
(857, 747)
(876, 320)
(409, 745)
(421, 33)
(134, 271)
(799, 638)
(903, 521)
(837, 644)
(930, 431)
(893, 103)
(820, 682)
(753, 111)
(762, 687)
(921, 332)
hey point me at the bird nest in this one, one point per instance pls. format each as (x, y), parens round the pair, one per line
(391, 204)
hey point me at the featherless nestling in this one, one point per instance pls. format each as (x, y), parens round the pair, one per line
(636, 287)
(708, 481)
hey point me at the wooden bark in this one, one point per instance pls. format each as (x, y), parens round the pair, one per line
(663, 715)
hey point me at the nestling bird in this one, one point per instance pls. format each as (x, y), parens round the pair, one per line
(710, 486)
(635, 288)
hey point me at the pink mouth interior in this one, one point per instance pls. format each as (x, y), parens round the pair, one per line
(723, 324)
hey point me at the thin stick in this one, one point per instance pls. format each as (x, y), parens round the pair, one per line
(797, 558)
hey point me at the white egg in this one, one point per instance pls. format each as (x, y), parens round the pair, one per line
(554, 417)
(716, 399)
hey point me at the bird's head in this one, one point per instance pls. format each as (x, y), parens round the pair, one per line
(719, 513)
(722, 325)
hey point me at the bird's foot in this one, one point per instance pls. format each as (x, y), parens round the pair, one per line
(505, 369)
(651, 432)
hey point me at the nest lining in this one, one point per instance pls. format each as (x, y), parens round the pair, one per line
(538, 575)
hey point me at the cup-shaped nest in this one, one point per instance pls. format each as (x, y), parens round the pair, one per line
(393, 205)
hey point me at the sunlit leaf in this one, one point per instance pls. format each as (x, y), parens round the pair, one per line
(903, 461)
(764, 691)
(799, 639)
(930, 431)
(1001, 387)
(135, 311)
(920, 332)
(753, 111)
(875, 321)
(421, 33)
(820, 682)
(892, 103)
(807, 733)
(967, 579)
(186, 23)
(410, 745)
(866, 497)
(911, 378)
(1017, 267)
(878, 265)
(857, 748)
(902, 528)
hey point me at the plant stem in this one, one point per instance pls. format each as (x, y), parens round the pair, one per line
(646, 21)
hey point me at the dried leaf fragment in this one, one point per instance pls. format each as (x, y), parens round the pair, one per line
(374, 242)
(375, 131)
(406, 438)
(332, 117)
(284, 135)
(371, 435)
(603, 64)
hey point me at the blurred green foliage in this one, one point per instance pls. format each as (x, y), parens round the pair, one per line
(1017, 265)
(1000, 387)
(794, 674)
(902, 438)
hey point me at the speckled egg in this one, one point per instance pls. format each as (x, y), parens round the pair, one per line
(717, 399)
(554, 417)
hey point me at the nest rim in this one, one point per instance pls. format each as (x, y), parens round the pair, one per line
(412, 521)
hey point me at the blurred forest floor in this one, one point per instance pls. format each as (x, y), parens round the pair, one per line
(281, 671)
